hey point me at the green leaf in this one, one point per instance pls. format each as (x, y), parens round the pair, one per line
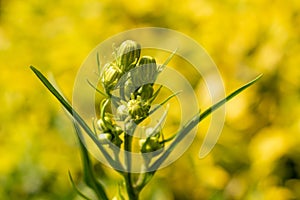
(161, 68)
(195, 120)
(120, 196)
(76, 189)
(88, 173)
(159, 123)
(89, 176)
(73, 113)
(96, 89)
(162, 103)
(98, 63)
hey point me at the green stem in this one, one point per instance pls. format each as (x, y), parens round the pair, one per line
(143, 180)
(127, 147)
(130, 126)
(132, 193)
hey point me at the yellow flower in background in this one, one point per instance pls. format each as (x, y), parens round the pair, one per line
(243, 37)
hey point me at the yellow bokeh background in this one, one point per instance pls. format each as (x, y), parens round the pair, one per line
(257, 156)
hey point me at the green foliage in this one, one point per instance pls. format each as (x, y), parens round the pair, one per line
(89, 176)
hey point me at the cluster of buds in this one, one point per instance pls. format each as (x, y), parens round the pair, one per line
(134, 77)
(110, 131)
(152, 143)
(140, 88)
(127, 57)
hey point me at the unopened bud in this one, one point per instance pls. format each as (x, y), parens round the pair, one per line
(108, 125)
(122, 112)
(145, 72)
(117, 141)
(146, 91)
(110, 76)
(118, 130)
(105, 138)
(128, 55)
(138, 109)
(149, 145)
(101, 125)
(105, 124)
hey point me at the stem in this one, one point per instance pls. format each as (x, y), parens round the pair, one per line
(144, 178)
(132, 193)
(130, 126)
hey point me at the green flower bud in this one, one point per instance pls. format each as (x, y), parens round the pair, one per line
(149, 145)
(154, 143)
(108, 138)
(146, 148)
(110, 129)
(117, 141)
(122, 112)
(118, 130)
(148, 60)
(150, 132)
(110, 76)
(138, 109)
(102, 126)
(128, 55)
(105, 124)
(146, 91)
(146, 71)
(149, 68)
(108, 125)
(105, 138)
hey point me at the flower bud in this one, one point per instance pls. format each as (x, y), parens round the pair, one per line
(128, 55)
(110, 76)
(145, 148)
(118, 130)
(149, 145)
(138, 109)
(146, 71)
(146, 91)
(117, 141)
(102, 125)
(107, 124)
(122, 112)
(149, 68)
(105, 138)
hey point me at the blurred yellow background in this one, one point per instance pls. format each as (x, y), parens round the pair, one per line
(258, 154)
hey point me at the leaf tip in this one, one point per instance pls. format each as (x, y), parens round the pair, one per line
(32, 68)
(258, 77)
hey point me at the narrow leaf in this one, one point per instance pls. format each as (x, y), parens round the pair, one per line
(89, 176)
(165, 101)
(76, 189)
(88, 172)
(95, 88)
(161, 68)
(98, 63)
(159, 123)
(72, 112)
(156, 128)
(195, 120)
